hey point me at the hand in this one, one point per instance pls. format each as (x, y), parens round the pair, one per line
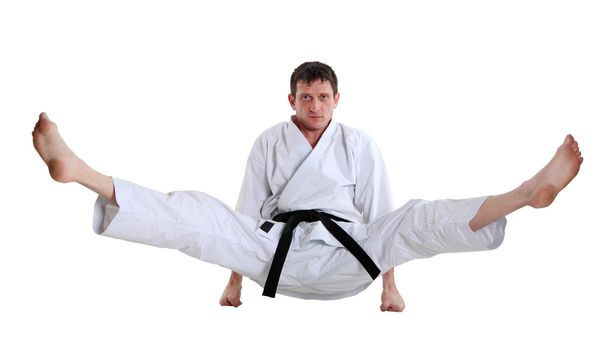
(232, 293)
(392, 301)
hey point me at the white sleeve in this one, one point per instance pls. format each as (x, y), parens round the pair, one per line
(373, 195)
(255, 188)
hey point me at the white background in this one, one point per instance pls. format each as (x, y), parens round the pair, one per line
(464, 98)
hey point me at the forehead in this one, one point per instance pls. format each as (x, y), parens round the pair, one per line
(316, 87)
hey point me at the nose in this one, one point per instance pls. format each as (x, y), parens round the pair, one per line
(315, 106)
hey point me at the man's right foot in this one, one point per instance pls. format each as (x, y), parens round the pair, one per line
(63, 164)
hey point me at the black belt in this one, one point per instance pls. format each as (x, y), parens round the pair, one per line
(292, 219)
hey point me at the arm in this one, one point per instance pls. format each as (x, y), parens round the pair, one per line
(374, 198)
(254, 191)
(255, 188)
(373, 195)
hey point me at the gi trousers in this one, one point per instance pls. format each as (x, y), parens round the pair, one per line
(317, 266)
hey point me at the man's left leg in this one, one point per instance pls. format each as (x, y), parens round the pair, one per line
(421, 229)
(539, 191)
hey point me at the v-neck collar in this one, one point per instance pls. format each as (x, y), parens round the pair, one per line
(301, 140)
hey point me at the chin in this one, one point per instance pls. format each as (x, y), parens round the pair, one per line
(319, 121)
(320, 125)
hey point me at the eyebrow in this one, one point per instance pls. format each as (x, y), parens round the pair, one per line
(319, 94)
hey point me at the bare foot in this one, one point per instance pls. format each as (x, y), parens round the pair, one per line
(63, 164)
(392, 300)
(232, 293)
(541, 190)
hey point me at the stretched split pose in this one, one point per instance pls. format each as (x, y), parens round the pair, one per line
(314, 217)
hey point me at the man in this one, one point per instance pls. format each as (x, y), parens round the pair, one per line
(305, 250)
(314, 96)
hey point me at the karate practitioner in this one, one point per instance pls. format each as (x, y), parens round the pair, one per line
(286, 159)
(317, 264)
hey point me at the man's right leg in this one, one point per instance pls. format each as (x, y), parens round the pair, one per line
(193, 222)
(64, 165)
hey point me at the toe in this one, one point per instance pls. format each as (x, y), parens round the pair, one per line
(569, 139)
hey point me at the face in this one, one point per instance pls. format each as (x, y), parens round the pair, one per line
(313, 104)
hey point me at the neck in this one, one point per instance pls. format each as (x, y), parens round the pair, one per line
(312, 136)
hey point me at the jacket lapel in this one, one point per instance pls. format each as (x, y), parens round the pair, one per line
(305, 182)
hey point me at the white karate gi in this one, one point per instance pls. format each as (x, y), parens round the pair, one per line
(343, 175)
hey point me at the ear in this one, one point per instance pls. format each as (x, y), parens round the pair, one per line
(291, 100)
(336, 99)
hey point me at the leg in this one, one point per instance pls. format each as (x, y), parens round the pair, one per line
(192, 222)
(421, 229)
(155, 218)
(539, 191)
(64, 165)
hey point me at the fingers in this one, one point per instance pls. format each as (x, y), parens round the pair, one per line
(233, 301)
(231, 297)
(230, 302)
(386, 307)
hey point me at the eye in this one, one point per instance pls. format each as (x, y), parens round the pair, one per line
(306, 97)
(324, 97)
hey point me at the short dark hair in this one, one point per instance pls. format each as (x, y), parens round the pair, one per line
(309, 72)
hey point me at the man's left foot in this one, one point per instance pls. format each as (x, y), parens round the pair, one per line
(541, 190)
